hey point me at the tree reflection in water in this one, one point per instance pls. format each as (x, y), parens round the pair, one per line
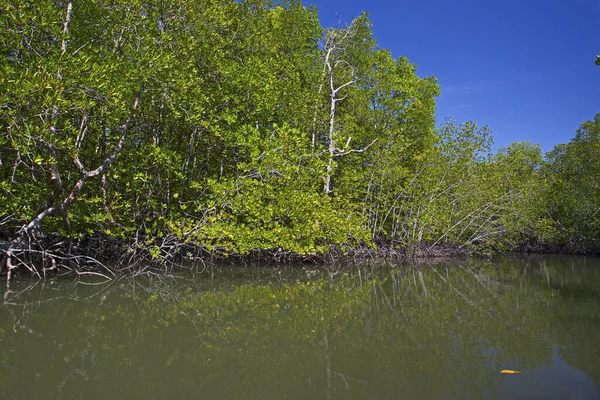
(413, 331)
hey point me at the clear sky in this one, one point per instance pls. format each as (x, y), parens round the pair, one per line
(523, 67)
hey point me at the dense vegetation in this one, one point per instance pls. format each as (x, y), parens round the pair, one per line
(224, 127)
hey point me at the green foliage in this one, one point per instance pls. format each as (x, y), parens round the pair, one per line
(463, 194)
(245, 125)
(274, 203)
(574, 172)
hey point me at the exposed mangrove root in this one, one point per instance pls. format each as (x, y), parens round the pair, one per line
(103, 256)
(39, 255)
(571, 248)
(43, 256)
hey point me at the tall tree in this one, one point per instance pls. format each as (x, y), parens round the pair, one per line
(574, 172)
(347, 56)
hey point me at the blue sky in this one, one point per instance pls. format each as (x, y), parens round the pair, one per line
(523, 67)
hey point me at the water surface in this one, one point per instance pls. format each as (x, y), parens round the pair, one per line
(430, 331)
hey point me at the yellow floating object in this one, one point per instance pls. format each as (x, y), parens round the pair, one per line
(509, 371)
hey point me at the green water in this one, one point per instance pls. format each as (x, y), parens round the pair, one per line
(435, 331)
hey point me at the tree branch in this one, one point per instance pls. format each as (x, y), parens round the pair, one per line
(340, 153)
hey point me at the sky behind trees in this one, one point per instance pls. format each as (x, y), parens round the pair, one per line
(523, 67)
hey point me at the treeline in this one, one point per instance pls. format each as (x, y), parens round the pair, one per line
(244, 126)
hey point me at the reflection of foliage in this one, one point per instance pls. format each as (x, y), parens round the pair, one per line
(377, 331)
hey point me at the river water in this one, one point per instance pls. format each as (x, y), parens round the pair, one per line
(427, 331)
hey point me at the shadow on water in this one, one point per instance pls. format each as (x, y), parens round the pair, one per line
(437, 331)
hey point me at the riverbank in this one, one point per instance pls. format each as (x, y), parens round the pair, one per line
(579, 249)
(110, 257)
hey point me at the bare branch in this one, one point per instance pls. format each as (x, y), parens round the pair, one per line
(340, 153)
(109, 160)
(335, 91)
(63, 46)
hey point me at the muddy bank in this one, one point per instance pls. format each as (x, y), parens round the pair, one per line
(565, 248)
(110, 257)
